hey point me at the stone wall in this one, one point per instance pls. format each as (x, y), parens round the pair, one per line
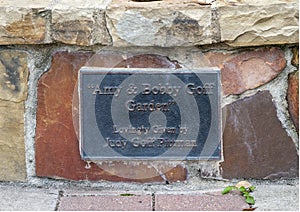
(44, 44)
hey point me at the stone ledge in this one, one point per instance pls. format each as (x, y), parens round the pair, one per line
(165, 23)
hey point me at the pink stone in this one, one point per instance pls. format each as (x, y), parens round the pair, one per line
(251, 69)
(254, 143)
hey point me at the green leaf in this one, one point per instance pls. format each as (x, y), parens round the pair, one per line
(246, 194)
(228, 189)
(252, 188)
(242, 189)
(250, 200)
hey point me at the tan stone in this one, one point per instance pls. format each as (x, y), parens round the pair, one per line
(251, 23)
(13, 86)
(23, 26)
(160, 23)
(293, 97)
(12, 150)
(295, 59)
(80, 27)
(55, 4)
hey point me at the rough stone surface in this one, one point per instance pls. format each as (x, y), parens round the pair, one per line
(276, 197)
(293, 97)
(159, 23)
(80, 27)
(254, 143)
(56, 139)
(23, 26)
(55, 4)
(14, 198)
(149, 23)
(251, 69)
(274, 22)
(13, 86)
(106, 203)
(202, 202)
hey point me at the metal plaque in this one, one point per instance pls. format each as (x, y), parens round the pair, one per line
(149, 114)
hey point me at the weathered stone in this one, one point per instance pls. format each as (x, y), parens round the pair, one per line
(295, 59)
(13, 86)
(55, 4)
(56, 139)
(274, 22)
(254, 143)
(23, 26)
(13, 76)
(293, 98)
(159, 23)
(80, 27)
(218, 58)
(252, 69)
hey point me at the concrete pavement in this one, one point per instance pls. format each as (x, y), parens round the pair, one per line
(133, 197)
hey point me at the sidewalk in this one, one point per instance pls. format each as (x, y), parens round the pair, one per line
(268, 197)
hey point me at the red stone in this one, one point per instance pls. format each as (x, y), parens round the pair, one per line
(254, 143)
(251, 69)
(293, 98)
(200, 202)
(106, 203)
(57, 148)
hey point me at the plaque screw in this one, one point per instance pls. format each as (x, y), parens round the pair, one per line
(88, 165)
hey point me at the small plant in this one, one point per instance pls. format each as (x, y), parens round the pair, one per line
(245, 188)
(126, 195)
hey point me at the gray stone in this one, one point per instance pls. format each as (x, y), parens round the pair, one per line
(276, 197)
(13, 198)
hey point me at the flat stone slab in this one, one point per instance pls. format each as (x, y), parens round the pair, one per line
(14, 198)
(201, 202)
(283, 196)
(106, 203)
(277, 197)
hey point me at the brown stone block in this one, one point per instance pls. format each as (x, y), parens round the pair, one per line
(23, 26)
(82, 27)
(293, 97)
(255, 144)
(251, 69)
(56, 140)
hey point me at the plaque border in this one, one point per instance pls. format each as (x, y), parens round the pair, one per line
(86, 70)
